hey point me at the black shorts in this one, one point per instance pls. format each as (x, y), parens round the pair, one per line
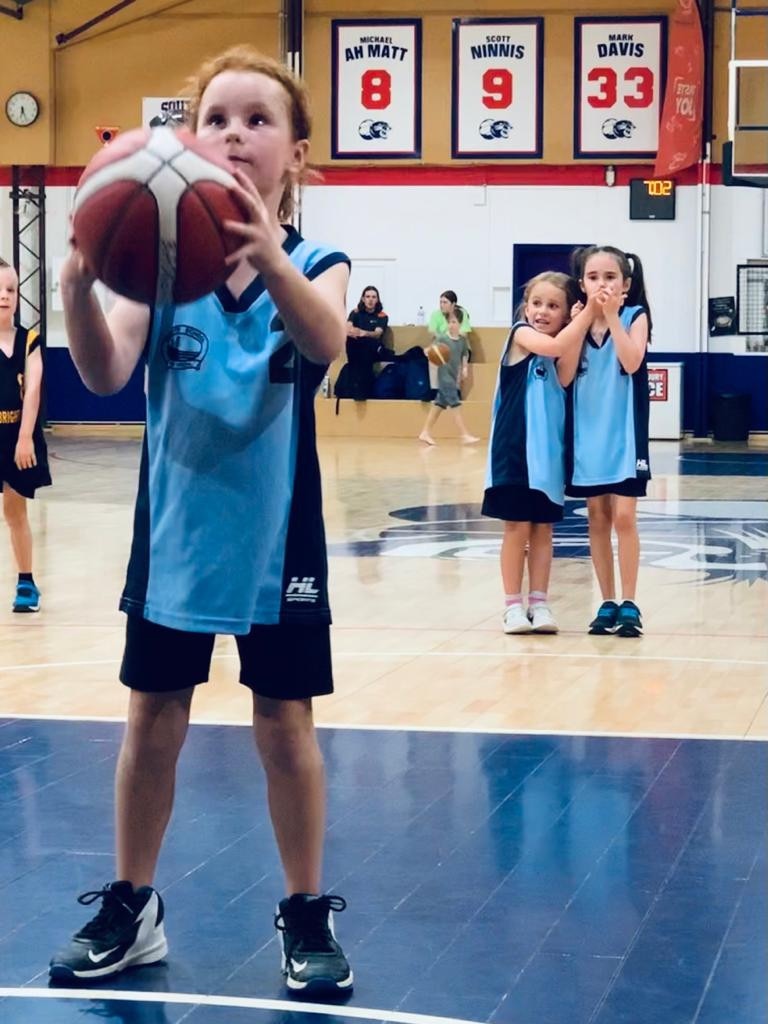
(284, 662)
(24, 481)
(631, 488)
(517, 504)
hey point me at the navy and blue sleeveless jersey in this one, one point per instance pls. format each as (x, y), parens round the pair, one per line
(527, 430)
(609, 410)
(12, 370)
(228, 527)
(12, 388)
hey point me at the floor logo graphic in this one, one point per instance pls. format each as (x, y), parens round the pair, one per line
(715, 539)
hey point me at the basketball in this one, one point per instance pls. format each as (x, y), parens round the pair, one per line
(439, 354)
(148, 216)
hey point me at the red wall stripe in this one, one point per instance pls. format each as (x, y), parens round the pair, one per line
(419, 175)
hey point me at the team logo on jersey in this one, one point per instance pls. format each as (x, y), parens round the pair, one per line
(618, 128)
(372, 130)
(711, 541)
(490, 129)
(302, 590)
(185, 347)
(540, 371)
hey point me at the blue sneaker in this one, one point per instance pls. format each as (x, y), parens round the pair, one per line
(628, 621)
(27, 597)
(605, 620)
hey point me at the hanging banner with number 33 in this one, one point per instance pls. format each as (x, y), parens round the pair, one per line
(376, 89)
(619, 82)
(497, 88)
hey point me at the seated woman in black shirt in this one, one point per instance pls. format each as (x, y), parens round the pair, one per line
(365, 328)
(367, 319)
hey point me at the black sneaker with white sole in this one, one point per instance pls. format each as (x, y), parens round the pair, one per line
(127, 932)
(312, 959)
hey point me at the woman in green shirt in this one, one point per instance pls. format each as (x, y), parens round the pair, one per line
(438, 321)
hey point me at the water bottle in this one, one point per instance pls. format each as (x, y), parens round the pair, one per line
(325, 386)
(420, 317)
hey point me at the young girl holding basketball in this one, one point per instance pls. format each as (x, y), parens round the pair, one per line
(23, 453)
(608, 451)
(526, 471)
(228, 521)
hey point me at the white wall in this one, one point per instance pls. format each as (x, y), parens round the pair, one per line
(462, 238)
(414, 242)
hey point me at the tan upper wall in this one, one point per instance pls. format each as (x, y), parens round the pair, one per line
(27, 64)
(100, 77)
(150, 47)
(437, 67)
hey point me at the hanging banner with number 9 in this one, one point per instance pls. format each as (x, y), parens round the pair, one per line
(376, 92)
(619, 87)
(497, 71)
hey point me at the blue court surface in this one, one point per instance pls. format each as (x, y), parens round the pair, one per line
(510, 878)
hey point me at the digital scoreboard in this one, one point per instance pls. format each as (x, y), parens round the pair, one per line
(651, 199)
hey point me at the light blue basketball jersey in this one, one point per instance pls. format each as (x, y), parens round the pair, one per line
(228, 528)
(610, 415)
(526, 446)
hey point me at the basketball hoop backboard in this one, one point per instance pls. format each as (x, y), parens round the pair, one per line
(745, 155)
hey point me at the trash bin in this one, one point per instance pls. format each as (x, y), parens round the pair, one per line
(730, 417)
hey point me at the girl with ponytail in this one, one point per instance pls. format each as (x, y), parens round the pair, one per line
(607, 444)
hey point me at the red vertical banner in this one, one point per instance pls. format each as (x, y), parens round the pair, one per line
(682, 115)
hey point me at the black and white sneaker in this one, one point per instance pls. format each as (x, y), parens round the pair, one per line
(126, 932)
(312, 959)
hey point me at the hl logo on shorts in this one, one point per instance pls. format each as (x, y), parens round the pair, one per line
(641, 466)
(302, 590)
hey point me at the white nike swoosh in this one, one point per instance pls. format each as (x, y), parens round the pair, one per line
(98, 957)
(297, 966)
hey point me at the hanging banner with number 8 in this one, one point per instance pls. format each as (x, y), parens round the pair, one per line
(376, 91)
(619, 86)
(497, 97)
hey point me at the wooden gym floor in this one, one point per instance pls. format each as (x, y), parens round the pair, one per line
(416, 596)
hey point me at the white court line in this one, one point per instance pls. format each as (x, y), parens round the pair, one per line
(570, 656)
(544, 654)
(468, 729)
(240, 1002)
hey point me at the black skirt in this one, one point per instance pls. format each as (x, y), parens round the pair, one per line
(24, 481)
(517, 504)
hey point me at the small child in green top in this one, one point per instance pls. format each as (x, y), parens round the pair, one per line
(449, 376)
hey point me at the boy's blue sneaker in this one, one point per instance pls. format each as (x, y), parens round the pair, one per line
(605, 620)
(628, 621)
(27, 597)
